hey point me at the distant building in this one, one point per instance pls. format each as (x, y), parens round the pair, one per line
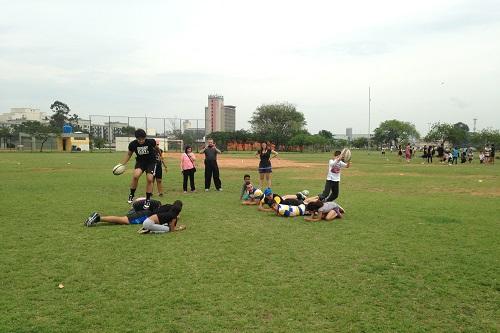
(229, 120)
(219, 118)
(107, 131)
(17, 116)
(348, 133)
(349, 137)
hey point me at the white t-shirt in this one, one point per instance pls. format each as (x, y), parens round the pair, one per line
(334, 167)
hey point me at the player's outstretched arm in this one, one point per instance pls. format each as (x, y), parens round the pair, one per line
(127, 157)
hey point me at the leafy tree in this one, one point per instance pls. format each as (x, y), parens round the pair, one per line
(128, 130)
(37, 129)
(6, 133)
(456, 134)
(277, 123)
(461, 126)
(439, 132)
(221, 139)
(486, 136)
(340, 143)
(360, 142)
(395, 130)
(61, 116)
(326, 134)
(98, 142)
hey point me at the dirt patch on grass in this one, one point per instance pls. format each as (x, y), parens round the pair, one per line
(226, 161)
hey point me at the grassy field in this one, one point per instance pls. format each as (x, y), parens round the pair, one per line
(417, 251)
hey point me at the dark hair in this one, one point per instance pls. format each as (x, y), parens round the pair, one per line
(337, 153)
(245, 176)
(314, 205)
(176, 207)
(186, 149)
(140, 133)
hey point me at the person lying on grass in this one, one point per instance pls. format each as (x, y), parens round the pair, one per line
(290, 210)
(323, 211)
(253, 198)
(133, 216)
(271, 199)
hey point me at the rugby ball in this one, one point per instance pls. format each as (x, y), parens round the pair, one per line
(305, 193)
(347, 154)
(118, 169)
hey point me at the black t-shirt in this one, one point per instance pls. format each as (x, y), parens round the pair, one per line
(164, 208)
(166, 217)
(153, 207)
(265, 158)
(145, 152)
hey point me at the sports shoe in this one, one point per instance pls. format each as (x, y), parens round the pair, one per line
(219, 189)
(147, 203)
(130, 198)
(206, 190)
(300, 196)
(92, 220)
(143, 231)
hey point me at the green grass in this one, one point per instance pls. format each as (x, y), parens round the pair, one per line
(417, 251)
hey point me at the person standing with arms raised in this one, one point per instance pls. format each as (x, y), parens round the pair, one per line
(211, 167)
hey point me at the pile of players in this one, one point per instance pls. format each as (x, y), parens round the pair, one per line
(321, 207)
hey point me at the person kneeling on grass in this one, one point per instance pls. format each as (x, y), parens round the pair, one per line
(323, 211)
(163, 221)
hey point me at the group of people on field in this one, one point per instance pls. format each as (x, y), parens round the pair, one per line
(447, 155)
(315, 208)
(156, 217)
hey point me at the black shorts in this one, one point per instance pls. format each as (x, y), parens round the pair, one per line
(147, 166)
(292, 202)
(158, 173)
(138, 217)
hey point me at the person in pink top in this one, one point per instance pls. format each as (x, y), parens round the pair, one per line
(408, 153)
(188, 168)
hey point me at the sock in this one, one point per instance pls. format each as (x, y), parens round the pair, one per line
(132, 191)
(148, 195)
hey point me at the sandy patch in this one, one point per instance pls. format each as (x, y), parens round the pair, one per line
(226, 161)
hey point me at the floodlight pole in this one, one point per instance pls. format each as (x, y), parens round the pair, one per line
(369, 116)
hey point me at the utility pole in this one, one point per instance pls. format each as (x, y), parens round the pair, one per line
(475, 120)
(369, 116)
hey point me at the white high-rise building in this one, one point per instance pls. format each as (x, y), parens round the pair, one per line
(219, 118)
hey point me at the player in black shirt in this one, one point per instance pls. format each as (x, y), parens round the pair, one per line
(146, 153)
(165, 219)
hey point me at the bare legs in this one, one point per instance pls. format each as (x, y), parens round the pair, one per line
(159, 186)
(268, 180)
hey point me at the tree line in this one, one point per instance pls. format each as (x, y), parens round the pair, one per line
(284, 126)
(396, 132)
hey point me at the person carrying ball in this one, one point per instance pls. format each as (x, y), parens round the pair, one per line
(331, 190)
(146, 152)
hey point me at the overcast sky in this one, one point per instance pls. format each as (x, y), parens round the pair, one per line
(425, 61)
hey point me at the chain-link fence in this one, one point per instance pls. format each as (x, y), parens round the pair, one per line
(107, 132)
(26, 142)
